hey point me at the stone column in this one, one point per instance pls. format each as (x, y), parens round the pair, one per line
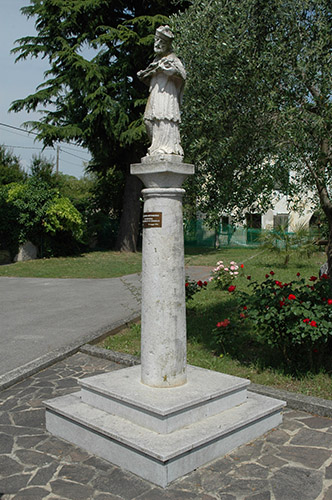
(163, 344)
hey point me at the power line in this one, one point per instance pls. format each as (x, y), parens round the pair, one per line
(26, 147)
(71, 154)
(77, 146)
(34, 133)
(18, 128)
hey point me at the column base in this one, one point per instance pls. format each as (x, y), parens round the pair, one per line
(162, 434)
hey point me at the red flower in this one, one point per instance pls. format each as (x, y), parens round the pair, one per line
(291, 297)
(267, 276)
(200, 283)
(278, 283)
(313, 323)
(187, 284)
(248, 277)
(306, 320)
(298, 274)
(231, 288)
(242, 266)
(242, 315)
(272, 273)
(324, 277)
(205, 283)
(329, 301)
(224, 323)
(281, 303)
(313, 278)
(245, 308)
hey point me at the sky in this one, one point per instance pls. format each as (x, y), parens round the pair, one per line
(18, 80)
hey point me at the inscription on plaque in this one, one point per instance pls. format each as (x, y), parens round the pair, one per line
(152, 219)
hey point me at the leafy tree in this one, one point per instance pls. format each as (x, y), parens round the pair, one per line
(10, 167)
(259, 93)
(39, 214)
(42, 169)
(92, 93)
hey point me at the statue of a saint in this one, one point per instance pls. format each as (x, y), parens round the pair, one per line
(165, 77)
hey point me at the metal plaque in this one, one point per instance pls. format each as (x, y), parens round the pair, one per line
(152, 219)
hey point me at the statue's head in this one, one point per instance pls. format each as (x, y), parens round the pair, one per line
(163, 40)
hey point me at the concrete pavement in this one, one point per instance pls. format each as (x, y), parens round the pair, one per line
(41, 316)
(43, 320)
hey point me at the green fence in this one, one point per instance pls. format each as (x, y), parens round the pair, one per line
(198, 234)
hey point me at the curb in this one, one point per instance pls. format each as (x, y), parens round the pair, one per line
(35, 366)
(296, 401)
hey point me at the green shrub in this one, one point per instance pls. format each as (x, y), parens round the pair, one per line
(193, 287)
(296, 317)
(39, 214)
(223, 274)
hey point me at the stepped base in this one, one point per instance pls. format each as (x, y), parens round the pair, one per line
(210, 427)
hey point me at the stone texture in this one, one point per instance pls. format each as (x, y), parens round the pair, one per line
(328, 494)
(217, 480)
(27, 251)
(314, 438)
(72, 491)
(31, 493)
(6, 443)
(309, 457)
(14, 483)
(289, 482)
(317, 422)
(205, 394)
(127, 486)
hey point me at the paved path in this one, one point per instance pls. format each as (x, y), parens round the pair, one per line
(38, 315)
(292, 462)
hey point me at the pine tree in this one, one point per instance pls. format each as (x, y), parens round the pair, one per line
(91, 94)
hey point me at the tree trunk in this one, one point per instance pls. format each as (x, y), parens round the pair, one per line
(131, 214)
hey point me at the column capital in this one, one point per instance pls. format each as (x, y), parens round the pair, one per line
(162, 173)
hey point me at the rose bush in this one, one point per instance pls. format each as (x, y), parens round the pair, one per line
(296, 317)
(223, 274)
(192, 287)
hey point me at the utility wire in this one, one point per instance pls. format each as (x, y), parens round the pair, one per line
(25, 147)
(34, 133)
(71, 154)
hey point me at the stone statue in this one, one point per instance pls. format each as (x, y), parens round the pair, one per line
(165, 77)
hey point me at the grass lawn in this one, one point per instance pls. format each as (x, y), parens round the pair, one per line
(244, 357)
(87, 265)
(113, 264)
(199, 354)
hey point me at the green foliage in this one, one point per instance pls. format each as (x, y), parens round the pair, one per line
(33, 211)
(42, 169)
(9, 229)
(258, 100)
(61, 215)
(91, 94)
(31, 200)
(192, 287)
(10, 168)
(300, 242)
(296, 317)
(223, 274)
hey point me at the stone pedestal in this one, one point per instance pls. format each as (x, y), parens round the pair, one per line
(163, 419)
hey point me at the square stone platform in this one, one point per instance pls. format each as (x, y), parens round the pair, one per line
(162, 434)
